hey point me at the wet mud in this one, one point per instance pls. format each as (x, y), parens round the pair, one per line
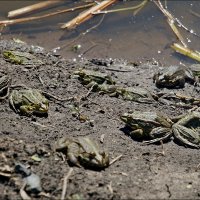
(143, 171)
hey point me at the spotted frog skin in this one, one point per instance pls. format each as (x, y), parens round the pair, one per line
(5, 82)
(83, 152)
(91, 78)
(21, 58)
(187, 130)
(28, 102)
(150, 125)
(174, 77)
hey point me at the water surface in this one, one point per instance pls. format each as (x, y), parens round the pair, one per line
(119, 35)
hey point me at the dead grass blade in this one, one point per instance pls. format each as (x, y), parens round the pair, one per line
(84, 16)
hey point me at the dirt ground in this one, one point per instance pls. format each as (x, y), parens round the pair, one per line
(141, 173)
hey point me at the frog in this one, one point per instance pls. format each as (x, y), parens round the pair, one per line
(93, 78)
(187, 129)
(21, 58)
(28, 102)
(5, 82)
(174, 77)
(137, 94)
(153, 126)
(82, 151)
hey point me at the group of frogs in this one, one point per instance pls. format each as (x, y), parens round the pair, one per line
(152, 126)
(81, 151)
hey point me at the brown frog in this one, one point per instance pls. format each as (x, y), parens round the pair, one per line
(83, 152)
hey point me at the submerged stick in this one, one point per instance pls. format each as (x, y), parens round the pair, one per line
(27, 19)
(186, 51)
(82, 17)
(28, 9)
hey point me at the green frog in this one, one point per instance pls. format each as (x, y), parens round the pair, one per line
(83, 152)
(28, 102)
(93, 78)
(5, 82)
(187, 130)
(150, 125)
(174, 77)
(21, 58)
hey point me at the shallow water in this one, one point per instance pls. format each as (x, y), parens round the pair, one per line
(120, 35)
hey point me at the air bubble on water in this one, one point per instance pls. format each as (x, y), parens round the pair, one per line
(191, 31)
(188, 40)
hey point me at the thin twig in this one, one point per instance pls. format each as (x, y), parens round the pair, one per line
(110, 187)
(23, 193)
(194, 13)
(115, 159)
(64, 190)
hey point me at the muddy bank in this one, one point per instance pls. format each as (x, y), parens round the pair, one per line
(142, 171)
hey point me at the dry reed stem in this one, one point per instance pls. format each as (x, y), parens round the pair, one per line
(28, 9)
(28, 19)
(186, 51)
(82, 17)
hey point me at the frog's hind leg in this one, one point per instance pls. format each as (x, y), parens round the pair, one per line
(73, 159)
(185, 136)
(12, 103)
(159, 134)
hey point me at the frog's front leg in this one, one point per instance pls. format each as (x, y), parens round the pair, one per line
(159, 134)
(73, 153)
(138, 133)
(93, 85)
(26, 110)
(73, 159)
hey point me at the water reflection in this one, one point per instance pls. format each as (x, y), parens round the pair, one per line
(120, 35)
